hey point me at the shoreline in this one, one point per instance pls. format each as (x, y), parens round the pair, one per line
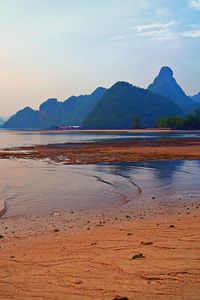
(76, 220)
(147, 130)
(109, 152)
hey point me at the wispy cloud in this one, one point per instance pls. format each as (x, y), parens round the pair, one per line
(158, 31)
(159, 35)
(191, 33)
(194, 4)
(153, 26)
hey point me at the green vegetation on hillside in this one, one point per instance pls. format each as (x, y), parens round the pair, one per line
(125, 106)
(189, 122)
(137, 122)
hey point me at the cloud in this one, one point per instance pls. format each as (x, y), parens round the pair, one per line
(191, 33)
(153, 27)
(158, 31)
(159, 35)
(194, 4)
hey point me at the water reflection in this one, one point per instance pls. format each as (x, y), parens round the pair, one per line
(163, 178)
(34, 187)
(160, 170)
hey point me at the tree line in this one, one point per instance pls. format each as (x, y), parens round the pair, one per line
(189, 122)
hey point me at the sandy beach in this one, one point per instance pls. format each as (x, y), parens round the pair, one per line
(120, 253)
(156, 258)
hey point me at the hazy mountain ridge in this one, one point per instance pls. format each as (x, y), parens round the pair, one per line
(112, 108)
(27, 118)
(54, 113)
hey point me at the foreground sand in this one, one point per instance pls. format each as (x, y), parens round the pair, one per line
(98, 264)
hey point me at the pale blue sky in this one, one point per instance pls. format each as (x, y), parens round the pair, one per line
(57, 48)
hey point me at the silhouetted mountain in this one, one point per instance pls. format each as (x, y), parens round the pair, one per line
(196, 97)
(25, 118)
(166, 85)
(124, 102)
(54, 113)
(78, 108)
(119, 107)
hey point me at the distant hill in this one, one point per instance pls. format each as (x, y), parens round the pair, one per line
(196, 97)
(26, 118)
(124, 102)
(166, 85)
(2, 121)
(54, 113)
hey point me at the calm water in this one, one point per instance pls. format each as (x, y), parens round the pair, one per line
(24, 138)
(39, 188)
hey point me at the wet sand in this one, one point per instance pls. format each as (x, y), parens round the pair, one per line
(97, 261)
(96, 152)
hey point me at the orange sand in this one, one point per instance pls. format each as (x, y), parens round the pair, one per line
(97, 264)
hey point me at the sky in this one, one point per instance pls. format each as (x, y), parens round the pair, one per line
(59, 48)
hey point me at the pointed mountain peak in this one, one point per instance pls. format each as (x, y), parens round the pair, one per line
(166, 72)
(166, 85)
